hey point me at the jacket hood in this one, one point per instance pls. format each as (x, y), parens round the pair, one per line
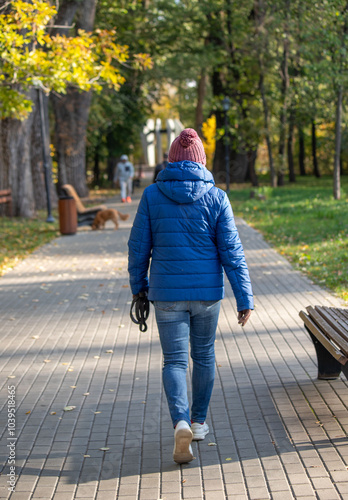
(185, 181)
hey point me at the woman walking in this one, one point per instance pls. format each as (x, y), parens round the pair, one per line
(186, 225)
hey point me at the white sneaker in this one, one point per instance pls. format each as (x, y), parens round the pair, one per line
(182, 452)
(199, 431)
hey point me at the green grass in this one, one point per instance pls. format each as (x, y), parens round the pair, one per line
(305, 224)
(19, 237)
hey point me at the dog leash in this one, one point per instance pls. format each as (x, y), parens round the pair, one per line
(142, 310)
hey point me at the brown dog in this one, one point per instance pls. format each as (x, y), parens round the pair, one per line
(105, 215)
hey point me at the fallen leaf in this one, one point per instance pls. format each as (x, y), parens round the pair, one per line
(125, 286)
(27, 412)
(87, 456)
(90, 309)
(70, 369)
(121, 326)
(111, 390)
(109, 351)
(96, 357)
(184, 480)
(69, 408)
(73, 386)
(213, 444)
(228, 459)
(11, 376)
(144, 402)
(65, 363)
(97, 412)
(115, 309)
(104, 449)
(47, 360)
(86, 394)
(35, 337)
(53, 413)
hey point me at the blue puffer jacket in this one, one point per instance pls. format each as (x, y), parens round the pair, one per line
(186, 225)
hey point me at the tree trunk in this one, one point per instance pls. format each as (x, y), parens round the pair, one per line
(36, 157)
(4, 180)
(260, 13)
(267, 132)
(111, 167)
(314, 151)
(282, 132)
(201, 91)
(219, 156)
(239, 166)
(292, 176)
(338, 136)
(72, 109)
(252, 155)
(15, 138)
(301, 151)
(96, 170)
(71, 113)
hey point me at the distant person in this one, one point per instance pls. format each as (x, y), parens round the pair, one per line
(124, 173)
(161, 166)
(185, 226)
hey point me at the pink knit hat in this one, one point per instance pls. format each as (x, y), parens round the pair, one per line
(187, 146)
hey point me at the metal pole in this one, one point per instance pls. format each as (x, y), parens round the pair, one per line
(227, 153)
(50, 218)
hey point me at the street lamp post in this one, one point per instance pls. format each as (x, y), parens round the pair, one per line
(50, 218)
(226, 107)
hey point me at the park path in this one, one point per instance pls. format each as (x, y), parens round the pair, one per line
(67, 340)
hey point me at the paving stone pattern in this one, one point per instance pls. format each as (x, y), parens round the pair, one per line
(67, 340)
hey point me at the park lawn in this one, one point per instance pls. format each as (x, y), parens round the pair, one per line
(304, 223)
(19, 236)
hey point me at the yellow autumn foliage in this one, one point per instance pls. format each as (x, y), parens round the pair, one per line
(209, 141)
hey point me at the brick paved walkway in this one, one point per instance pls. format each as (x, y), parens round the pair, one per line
(67, 340)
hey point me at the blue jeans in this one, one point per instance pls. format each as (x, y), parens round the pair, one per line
(178, 323)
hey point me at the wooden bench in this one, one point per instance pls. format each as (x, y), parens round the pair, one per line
(328, 329)
(6, 199)
(85, 216)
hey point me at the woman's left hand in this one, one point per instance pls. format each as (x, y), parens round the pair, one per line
(243, 316)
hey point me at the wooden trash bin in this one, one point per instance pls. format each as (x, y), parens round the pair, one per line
(67, 215)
